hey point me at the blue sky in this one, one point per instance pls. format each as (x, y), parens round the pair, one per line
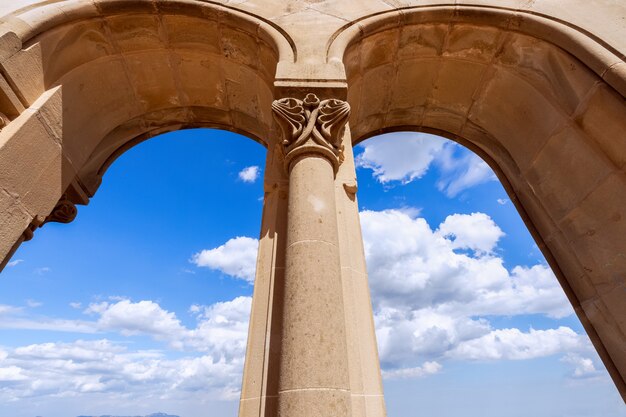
(141, 304)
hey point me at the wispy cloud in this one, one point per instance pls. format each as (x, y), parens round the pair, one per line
(15, 263)
(33, 304)
(406, 156)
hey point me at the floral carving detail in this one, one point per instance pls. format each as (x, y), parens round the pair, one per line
(312, 122)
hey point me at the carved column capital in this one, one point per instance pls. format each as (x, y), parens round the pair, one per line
(311, 126)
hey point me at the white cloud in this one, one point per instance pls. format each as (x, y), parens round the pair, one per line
(15, 263)
(503, 201)
(475, 231)
(407, 156)
(432, 302)
(584, 367)
(399, 156)
(411, 265)
(427, 368)
(33, 304)
(461, 169)
(7, 309)
(107, 368)
(143, 317)
(236, 258)
(42, 270)
(249, 174)
(211, 367)
(513, 344)
(76, 305)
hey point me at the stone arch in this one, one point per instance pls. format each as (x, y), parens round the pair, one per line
(541, 101)
(81, 82)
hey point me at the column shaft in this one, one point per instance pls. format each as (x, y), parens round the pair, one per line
(313, 377)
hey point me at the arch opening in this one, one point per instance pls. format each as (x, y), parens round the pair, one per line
(98, 79)
(437, 227)
(551, 128)
(141, 305)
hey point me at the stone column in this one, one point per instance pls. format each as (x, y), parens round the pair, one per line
(313, 378)
(311, 346)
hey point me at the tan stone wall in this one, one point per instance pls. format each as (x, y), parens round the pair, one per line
(535, 88)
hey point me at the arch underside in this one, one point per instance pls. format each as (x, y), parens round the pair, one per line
(543, 104)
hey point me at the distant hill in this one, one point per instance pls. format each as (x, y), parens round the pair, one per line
(149, 415)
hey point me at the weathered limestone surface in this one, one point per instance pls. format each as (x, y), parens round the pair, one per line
(537, 89)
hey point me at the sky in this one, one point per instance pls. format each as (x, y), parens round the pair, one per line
(141, 304)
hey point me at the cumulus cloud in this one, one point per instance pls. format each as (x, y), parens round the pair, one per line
(584, 367)
(407, 156)
(143, 317)
(476, 232)
(104, 367)
(434, 290)
(249, 174)
(513, 344)
(236, 258)
(427, 368)
(400, 157)
(211, 363)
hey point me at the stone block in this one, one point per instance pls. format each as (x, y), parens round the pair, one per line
(14, 219)
(187, 32)
(24, 70)
(472, 43)
(556, 73)
(375, 96)
(27, 150)
(136, 32)
(555, 174)
(68, 47)
(455, 85)
(596, 231)
(200, 79)
(414, 83)
(92, 109)
(604, 119)
(239, 47)
(422, 41)
(516, 113)
(379, 49)
(151, 75)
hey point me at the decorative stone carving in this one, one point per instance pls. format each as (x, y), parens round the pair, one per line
(312, 126)
(64, 212)
(30, 230)
(4, 121)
